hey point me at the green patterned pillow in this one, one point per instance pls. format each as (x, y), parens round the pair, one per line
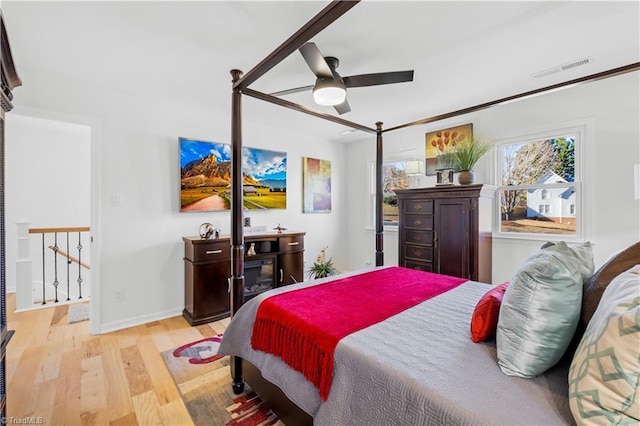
(604, 378)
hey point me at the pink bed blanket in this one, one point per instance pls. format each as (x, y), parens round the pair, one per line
(304, 326)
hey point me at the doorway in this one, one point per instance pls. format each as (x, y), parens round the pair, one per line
(49, 184)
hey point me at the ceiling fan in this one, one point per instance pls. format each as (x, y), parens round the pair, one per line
(331, 88)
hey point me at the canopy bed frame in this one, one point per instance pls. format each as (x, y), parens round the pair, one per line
(240, 86)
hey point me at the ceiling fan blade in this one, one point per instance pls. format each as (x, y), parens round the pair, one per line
(291, 91)
(315, 60)
(343, 107)
(363, 80)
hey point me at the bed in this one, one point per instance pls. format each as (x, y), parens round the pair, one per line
(418, 366)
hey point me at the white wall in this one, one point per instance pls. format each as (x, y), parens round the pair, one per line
(611, 109)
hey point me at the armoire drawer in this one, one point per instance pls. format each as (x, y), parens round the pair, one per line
(418, 237)
(418, 221)
(419, 206)
(419, 266)
(412, 251)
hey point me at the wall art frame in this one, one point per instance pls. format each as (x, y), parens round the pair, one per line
(316, 185)
(205, 177)
(440, 143)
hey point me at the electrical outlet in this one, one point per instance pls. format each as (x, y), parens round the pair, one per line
(118, 295)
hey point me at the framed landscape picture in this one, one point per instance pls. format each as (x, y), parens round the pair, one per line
(439, 144)
(316, 185)
(205, 177)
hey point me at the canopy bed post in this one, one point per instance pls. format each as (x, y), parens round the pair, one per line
(236, 289)
(379, 217)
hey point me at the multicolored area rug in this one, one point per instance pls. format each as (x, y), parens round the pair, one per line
(204, 382)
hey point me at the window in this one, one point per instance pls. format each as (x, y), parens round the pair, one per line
(394, 176)
(539, 192)
(544, 209)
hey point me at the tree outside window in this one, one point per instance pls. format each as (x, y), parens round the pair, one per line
(538, 192)
(394, 176)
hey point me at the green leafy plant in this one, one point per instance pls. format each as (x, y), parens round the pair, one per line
(466, 154)
(322, 267)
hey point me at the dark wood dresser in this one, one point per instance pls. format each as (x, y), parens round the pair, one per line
(278, 261)
(447, 230)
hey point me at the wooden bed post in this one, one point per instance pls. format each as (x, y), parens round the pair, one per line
(236, 290)
(379, 217)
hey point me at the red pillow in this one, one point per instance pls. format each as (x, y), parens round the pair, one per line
(484, 320)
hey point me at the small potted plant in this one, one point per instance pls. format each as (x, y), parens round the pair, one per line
(465, 155)
(322, 267)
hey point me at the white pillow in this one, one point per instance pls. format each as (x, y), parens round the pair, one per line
(604, 377)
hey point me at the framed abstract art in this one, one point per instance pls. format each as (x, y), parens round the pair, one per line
(316, 185)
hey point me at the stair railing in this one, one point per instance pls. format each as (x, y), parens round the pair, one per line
(62, 241)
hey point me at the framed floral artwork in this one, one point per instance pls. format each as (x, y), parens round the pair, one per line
(439, 144)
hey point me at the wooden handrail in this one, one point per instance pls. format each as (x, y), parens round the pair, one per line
(68, 256)
(53, 230)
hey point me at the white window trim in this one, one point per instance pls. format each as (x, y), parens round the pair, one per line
(583, 131)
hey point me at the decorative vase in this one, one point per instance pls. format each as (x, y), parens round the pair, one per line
(466, 177)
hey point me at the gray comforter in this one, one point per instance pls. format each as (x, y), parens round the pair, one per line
(417, 367)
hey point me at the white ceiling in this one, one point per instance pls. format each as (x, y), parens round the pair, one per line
(463, 53)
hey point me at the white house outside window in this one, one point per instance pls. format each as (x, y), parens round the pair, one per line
(539, 185)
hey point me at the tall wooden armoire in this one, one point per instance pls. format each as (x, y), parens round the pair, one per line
(447, 230)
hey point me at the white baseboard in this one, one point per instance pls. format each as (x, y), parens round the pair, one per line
(139, 320)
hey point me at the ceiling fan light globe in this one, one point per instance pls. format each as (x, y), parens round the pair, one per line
(329, 93)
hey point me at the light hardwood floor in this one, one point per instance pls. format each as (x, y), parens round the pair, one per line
(63, 375)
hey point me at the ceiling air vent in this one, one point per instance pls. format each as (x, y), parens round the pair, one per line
(561, 68)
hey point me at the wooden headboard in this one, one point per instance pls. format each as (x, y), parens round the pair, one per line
(594, 288)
